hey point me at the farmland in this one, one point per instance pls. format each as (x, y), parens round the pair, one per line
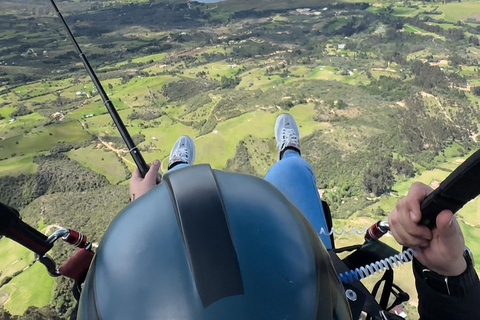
(385, 94)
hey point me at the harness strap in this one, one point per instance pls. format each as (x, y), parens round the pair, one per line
(387, 288)
(202, 220)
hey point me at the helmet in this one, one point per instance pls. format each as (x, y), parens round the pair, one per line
(212, 245)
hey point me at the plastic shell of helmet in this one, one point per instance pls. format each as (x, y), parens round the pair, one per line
(171, 255)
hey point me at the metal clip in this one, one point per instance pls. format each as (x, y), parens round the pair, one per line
(60, 233)
(48, 262)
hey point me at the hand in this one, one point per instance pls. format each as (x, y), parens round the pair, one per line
(440, 249)
(139, 186)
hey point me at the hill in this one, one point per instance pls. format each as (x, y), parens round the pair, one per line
(382, 94)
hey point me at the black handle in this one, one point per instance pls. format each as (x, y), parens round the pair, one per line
(461, 186)
(11, 226)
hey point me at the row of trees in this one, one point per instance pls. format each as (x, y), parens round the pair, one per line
(32, 313)
(21, 110)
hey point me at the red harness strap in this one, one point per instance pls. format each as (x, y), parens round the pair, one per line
(77, 265)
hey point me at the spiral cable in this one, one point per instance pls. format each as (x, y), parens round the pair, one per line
(378, 266)
(342, 232)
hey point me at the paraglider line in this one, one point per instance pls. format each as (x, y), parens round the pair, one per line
(136, 155)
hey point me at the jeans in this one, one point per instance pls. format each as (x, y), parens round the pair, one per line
(294, 177)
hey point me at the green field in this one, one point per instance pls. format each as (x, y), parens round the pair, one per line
(471, 234)
(152, 57)
(133, 93)
(5, 113)
(286, 61)
(405, 11)
(452, 12)
(165, 136)
(21, 125)
(256, 79)
(22, 294)
(470, 213)
(42, 139)
(101, 161)
(41, 88)
(456, 11)
(17, 165)
(95, 109)
(413, 29)
(13, 257)
(19, 293)
(214, 70)
(220, 145)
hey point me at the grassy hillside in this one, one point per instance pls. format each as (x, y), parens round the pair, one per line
(20, 295)
(384, 95)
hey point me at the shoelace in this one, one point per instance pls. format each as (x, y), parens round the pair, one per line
(181, 154)
(288, 136)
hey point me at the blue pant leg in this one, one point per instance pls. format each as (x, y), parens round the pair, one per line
(294, 177)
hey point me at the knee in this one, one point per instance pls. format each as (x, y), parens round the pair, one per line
(297, 163)
(292, 166)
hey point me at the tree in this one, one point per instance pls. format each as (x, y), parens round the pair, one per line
(403, 167)
(34, 313)
(126, 78)
(229, 83)
(378, 178)
(475, 91)
(286, 104)
(22, 110)
(21, 78)
(456, 60)
(474, 40)
(341, 104)
(428, 76)
(455, 34)
(5, 315)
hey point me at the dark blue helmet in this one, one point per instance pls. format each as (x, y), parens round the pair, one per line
(212, 245)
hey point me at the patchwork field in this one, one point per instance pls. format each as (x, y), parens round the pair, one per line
(384, 95)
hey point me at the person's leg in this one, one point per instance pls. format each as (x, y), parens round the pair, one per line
(294, 177)
(182, 154)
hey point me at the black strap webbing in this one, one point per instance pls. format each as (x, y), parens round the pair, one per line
(387, 288)
(203, 223)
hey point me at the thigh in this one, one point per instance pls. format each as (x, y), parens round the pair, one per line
(294, 177)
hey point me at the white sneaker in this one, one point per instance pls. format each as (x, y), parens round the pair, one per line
(183, 151)
(286, 134)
